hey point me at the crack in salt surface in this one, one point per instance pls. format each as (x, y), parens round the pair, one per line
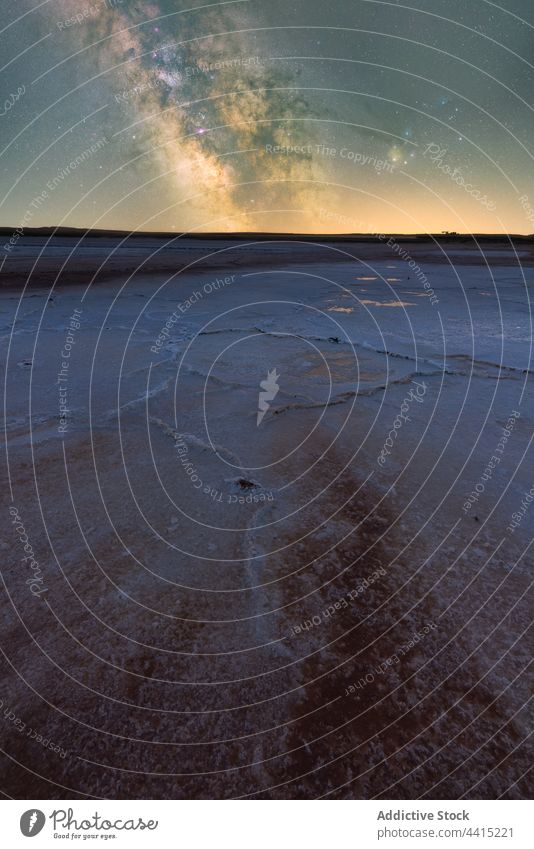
(193, 439)
(383, 351)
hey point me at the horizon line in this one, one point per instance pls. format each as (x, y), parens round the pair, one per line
(265, 234)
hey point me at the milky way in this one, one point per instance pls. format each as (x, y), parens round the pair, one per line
(245, 115)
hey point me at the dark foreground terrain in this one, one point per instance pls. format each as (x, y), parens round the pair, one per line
(332, 600)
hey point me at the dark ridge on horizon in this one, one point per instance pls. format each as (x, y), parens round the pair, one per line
(81, 232)
(67, 256)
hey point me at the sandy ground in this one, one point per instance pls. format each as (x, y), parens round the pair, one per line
(219, 608)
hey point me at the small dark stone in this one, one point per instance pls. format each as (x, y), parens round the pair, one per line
(246, 484)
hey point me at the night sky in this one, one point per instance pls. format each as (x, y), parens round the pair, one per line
(310, 116)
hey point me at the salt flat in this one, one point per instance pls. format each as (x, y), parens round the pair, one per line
(212, 588)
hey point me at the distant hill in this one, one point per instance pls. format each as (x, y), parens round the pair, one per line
(78, 233)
